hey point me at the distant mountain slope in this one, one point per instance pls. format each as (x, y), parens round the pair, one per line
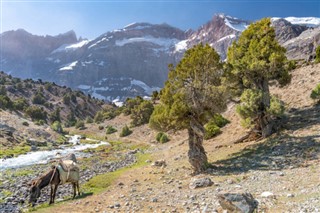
(133, 60)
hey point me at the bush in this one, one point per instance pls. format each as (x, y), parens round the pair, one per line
(141, 113)
(79, 125)
(125, 131)
(100, 127)
(89, 120)
(220, 121)
(211, 130)
(36, 113)
(56, 126)
(25, 123)
(99, 118)
(20, 104)
(318, 54)
(38, 99)
(315, 94)
(110, 129)
(5, 102)
(162, 137)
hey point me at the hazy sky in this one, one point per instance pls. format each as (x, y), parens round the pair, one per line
(90, 19)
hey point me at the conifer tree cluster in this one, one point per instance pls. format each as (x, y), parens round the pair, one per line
(198, 87)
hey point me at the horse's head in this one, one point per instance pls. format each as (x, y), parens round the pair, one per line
(34, 192)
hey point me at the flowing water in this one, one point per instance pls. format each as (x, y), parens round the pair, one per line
(43, 157)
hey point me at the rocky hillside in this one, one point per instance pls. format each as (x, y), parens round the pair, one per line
(28, 108)
(280, 172)
(133, 60)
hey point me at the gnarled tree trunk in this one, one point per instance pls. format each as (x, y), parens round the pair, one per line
(197, 155)
(264, 122)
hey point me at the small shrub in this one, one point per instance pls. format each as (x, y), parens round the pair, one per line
(56, 126)
(36, 113)
(315, 94)
(79, 125)
(89, 120)
(25, 123)
(110, 129)
(211, 130)
(40, 122)
(20, 104)
(125, 131)
(100, 127)
(98, 118)
(318, 54)
(162, 137)
(38, 99)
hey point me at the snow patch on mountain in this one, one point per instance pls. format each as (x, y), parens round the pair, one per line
(236, 25)
(71, 47)
(165, 42)
(69, 66)
(181, 46)
(306, 21)
(227, 37)
(144, 86)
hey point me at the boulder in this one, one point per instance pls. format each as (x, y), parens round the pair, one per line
(238, 202)
(200, 182)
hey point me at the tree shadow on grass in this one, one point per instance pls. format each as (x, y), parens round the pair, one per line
(279, 151)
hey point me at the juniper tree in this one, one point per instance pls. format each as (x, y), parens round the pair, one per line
(254, 60)
(191, 96)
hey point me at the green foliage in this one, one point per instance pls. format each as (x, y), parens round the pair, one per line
(318, 54)
(71, 119)
(55, 115)
(20, 104)
(15, 151)
(250, 106)
(38, 99)
(211, 130)
(56, 126)
(79, 125)
(315, 94)
(125, 131)
(155, 96)
(130, 104)
(5, 102)
(162, 137)
(99, 118)
(276, 107)
(110, 129)
(89, 120)
(192, 91)
(66, 99)
(141, 113)
(3, 90)
(25, 123)
(36, 113)
(254, 60)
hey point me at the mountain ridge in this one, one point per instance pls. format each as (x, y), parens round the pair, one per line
(109, 66)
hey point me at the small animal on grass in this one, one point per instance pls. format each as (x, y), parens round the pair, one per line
(66, 171)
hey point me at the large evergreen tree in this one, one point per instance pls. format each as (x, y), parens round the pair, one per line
(191, 96)
(254, 60)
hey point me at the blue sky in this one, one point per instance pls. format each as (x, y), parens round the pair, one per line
(90, 19)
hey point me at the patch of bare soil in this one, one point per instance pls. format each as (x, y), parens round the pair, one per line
(286, 165)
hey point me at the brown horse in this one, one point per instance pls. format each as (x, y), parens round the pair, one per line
(51, 177)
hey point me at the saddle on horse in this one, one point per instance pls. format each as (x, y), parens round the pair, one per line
(69, 171)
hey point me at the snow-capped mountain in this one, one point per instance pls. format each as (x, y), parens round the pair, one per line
(134, 60)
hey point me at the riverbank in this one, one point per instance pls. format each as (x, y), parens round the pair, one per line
(13, 182)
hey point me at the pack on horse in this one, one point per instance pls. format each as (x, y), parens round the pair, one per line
(67, 171)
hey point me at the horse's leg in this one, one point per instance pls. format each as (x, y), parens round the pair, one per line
(51, 194)
(78, 188)
(74, 190)
(55, 192)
